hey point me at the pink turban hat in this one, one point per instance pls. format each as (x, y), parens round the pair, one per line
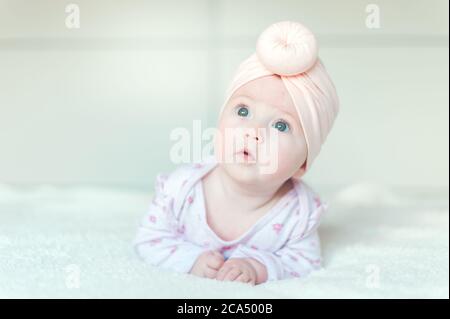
(290, 50)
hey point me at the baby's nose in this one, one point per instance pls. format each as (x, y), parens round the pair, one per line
(254, 135)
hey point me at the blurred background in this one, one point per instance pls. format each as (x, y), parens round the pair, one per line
(96, 104)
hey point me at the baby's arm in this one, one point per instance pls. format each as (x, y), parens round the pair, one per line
(296, 259)
(299, 256)
(159, 241)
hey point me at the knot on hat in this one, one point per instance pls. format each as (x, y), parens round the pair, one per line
(287, 48)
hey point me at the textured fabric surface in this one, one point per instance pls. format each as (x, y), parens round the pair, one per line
(75, 242)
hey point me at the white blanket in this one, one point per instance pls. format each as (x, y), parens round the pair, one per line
(75, 242)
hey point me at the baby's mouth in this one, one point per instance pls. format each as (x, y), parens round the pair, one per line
(246, 155)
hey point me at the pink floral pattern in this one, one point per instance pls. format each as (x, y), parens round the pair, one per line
(275, 238)
(155, 241)
(277, 228)
(225, 248)
(317, 202)
(181, 230)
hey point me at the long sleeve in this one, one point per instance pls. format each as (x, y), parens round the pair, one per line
(300, 255)
(159, 240)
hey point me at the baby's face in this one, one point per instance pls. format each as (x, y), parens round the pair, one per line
(267, 133)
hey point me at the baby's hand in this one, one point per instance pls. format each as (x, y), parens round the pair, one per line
(207, 264)
(237, 269)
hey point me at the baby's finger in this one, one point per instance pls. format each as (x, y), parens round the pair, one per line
(251, 277)
(242, 278)
(233, 274)
(223, 272)
(215, 262)
(210, 273)
(218, 254)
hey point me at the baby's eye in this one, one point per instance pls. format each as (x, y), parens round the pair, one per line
(281, 126)
(243, 111)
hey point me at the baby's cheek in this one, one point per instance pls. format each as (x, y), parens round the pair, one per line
(290, 158)
(230, 136)
(221, 140)
(285, 167)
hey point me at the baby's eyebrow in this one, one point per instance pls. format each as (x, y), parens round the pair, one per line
(243, 96)
(286, 112)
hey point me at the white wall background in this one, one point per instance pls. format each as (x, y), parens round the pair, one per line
(97, 104)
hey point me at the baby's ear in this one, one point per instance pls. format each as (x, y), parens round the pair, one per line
(300, 172)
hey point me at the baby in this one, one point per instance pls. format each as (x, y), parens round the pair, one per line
(251, 219)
